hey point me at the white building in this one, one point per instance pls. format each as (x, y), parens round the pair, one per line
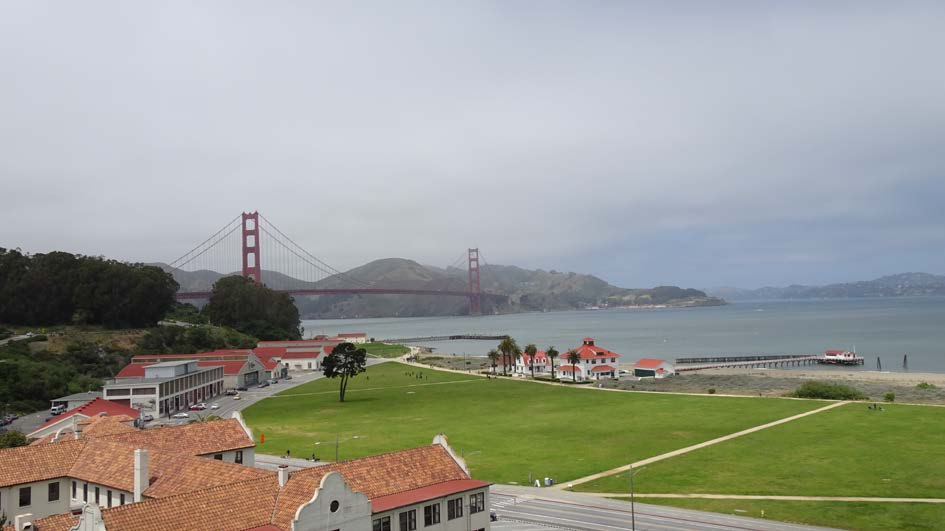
(594, 362)
(165, 387)
(541, 364)
(653, 368)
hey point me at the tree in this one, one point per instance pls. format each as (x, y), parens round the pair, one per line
(494, 358)
(573, 359)
(531, 350)
(345, 361)
(254, 309)
(508, 347)
(552, 355)
(12, 439)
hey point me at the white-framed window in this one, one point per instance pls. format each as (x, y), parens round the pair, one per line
(477, 503)
(431, 514)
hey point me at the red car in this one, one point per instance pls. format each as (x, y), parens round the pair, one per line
(198, 407)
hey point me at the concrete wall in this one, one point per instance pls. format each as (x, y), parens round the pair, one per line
(82, 495)
(334, 507)
(39, 506)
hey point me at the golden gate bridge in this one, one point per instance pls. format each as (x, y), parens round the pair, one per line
(243, 243)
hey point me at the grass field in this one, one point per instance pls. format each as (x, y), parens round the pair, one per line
(861, 516)
(383, 350)
(506, 428)
(847, 451)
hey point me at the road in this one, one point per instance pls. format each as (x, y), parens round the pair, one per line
(521, 509)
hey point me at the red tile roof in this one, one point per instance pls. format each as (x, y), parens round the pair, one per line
(300, 355)
(603, 368)
(133, 370)
(541, 358)
(568, 368)
(588, 352)
(95, 407)
(648, 363)
(410, 497)
(230, 367)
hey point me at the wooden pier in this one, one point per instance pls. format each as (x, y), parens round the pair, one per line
(783, 360)
(454, 337)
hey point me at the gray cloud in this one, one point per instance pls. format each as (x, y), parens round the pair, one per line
(694, 143)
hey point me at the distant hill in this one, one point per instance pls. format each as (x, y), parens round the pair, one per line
(901, 285)
(528, 290)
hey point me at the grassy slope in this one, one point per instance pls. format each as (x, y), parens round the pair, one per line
(848, 451)
(509, 428)
(383, 350)
(866, 516)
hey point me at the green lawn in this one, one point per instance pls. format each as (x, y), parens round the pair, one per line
(860, 516)
(507, 428)
(847, 451)
(383, 350)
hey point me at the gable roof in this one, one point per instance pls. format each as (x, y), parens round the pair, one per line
(648, 363)
(199, 438)
(95, 407)
(587, 352)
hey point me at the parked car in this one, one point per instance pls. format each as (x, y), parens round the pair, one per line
(288, 377)
(198, 407)
(181, 415)
(147, 417)
(231, 392)
(264, 384)
(241, 388)
(215, 406)
(273, 381)
(237, 397)
(57, 410)
(4, 422)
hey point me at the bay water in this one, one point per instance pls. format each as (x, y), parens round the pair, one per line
(886, 328)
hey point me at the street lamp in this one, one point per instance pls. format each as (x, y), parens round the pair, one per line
(633, 519)
(338, 442)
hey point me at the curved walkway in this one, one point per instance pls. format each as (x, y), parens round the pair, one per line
(763, 497)
(694, 447)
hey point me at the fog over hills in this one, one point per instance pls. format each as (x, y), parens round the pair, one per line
(900, 285)
(528, 290)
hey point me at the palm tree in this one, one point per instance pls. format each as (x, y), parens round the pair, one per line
(508, 347)
(531, 350)
(573, 359)
(494, 358)
(552, 354)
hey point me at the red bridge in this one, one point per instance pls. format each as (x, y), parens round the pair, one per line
(292, 269)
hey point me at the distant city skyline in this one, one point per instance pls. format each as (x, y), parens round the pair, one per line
(701, 144)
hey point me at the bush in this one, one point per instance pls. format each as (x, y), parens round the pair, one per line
(13, 439)
(926, 386)
(712, 390)
(827, 391)
(889, 397)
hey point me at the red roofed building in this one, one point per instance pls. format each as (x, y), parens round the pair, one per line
(356, 337)
(70, 419)
(594, 362)
(160, 387)
(525, 363)
(653, 368)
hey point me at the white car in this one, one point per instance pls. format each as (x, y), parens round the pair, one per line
(181, 415)
(147, 417)
(215, 406)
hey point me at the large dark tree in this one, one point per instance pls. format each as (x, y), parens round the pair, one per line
(345, 361)
(254, 309)
(61, 288)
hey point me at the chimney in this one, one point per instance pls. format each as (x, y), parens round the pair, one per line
(142, 477)
(283, 475)
(24, 522)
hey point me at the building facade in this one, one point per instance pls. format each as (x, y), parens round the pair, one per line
(166, 387)
(594, 362)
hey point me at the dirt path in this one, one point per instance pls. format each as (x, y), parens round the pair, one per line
(694, 447)
(783, 498)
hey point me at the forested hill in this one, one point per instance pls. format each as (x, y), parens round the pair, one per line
(528, 290)
(901, 285)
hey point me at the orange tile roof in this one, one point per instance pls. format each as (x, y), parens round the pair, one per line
(37, 463)
(95, 407)
(199, 438)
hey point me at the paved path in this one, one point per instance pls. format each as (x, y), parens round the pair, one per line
(529, 508)
(784, 498)
(694, 447)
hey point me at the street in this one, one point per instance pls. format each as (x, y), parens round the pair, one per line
(526, 509)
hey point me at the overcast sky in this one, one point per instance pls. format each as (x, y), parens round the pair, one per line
(692, 143)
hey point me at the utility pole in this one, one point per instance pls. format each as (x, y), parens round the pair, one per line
(633, 519)
(337, 442)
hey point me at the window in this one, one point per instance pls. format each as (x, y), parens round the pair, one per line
(121, 499)
(408, 520)
(85, 492)
(53, 491)
(74, 487)
(239, 457)
(477, 503)
(97, 497)
(382, 524)
(431, 514)
(26, 496)
(218, 457)
(454, 509)
(108, 499)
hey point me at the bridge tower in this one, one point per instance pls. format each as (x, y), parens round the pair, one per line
(251, 268)
(475, 291)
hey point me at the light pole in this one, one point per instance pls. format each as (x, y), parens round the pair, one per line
(633, 518)
(338, 442)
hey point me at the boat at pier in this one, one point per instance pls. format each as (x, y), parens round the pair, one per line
(840, 357)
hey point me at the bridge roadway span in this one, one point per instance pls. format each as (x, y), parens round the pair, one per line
(362, 291)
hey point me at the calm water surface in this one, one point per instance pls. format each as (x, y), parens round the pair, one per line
(884, 328)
